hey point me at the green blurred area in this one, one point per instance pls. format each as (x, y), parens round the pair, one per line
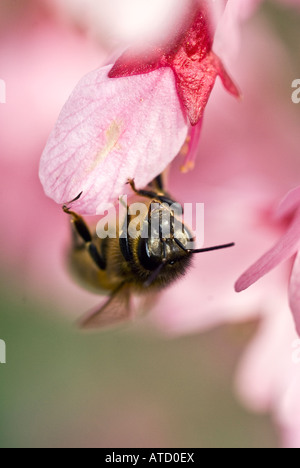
(126, 388)
(285, 23)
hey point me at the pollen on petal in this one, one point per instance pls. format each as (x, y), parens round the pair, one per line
(112, 136)
(190, 148)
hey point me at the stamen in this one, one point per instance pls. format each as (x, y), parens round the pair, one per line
(190, 148)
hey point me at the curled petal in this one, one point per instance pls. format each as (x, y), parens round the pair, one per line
(294, 292)
(110, 131)
(227, 81)
(289, 204)
(287, 246)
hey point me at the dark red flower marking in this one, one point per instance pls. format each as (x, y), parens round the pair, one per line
(192, 60)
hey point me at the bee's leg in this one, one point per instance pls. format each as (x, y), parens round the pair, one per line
(84, 233)
(159, 195)
(124, 238)
(143, 193)
(158, 183)
(172, 225)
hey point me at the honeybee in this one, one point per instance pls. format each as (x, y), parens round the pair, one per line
(131, 265)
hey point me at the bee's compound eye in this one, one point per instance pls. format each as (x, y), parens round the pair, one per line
(146, 257)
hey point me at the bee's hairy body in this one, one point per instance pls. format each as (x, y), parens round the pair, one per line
(87, 273)
(118, 267)
(124, 263)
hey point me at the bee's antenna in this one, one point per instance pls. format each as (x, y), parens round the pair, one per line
(207, 249)
(210, 249)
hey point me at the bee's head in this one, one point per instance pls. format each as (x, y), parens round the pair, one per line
(163, 248)
(166, 247)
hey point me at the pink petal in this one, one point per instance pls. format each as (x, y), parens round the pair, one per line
(283, 250)
(266, 371)
(294, 292)
(227, 81)
(289, 204)
(111, 130)
(129, 64)
(229, 19)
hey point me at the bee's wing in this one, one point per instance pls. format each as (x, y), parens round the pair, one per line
(147, 302)
(115, 311)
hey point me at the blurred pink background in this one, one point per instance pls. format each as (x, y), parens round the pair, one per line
(168, 380)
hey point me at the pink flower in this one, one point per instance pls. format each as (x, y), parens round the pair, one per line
(109, 131)
(134, 125)
(268, 378)
(284, 249)
(238, 176)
